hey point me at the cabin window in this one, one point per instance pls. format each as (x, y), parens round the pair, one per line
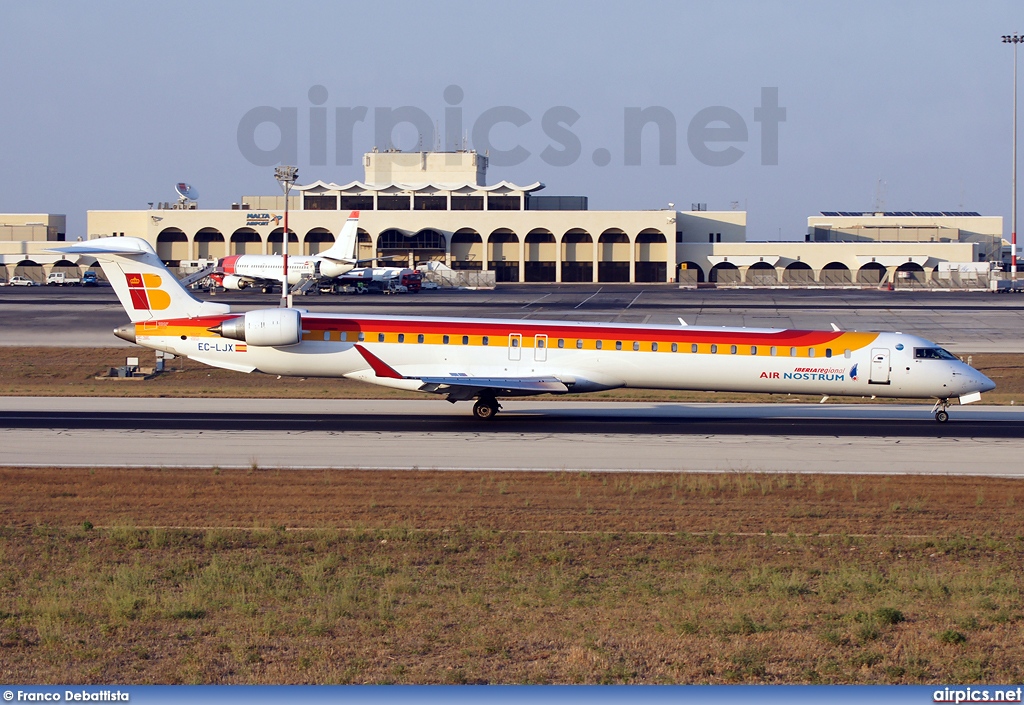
(380, 337)
(344, 336)
(362, 336)
(636, 346)
(540, 342)
(420, 338)
(401, 337)
(846, 353)
(598, 344)
(714, 349)
(579, 344)
(327, 335)
(792, 352)
(445, 340)
(828, 352)
(753, 350)
(514, 342)
(485, 340)
(561, 342)
(811, 352)
(618, 345)
(693, 348)
(733, 350)
(465, 340)
(675, 347)
(654, 347)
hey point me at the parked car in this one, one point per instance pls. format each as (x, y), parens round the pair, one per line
(21, 281)
(90, 279)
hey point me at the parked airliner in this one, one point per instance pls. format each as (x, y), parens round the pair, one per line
(244, 271)
(484, 359)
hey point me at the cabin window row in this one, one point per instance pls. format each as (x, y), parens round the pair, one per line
(599, 345)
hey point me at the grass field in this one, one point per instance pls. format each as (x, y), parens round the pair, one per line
(27, 371)
(188, 576)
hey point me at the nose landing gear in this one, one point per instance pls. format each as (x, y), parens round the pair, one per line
(942, 416)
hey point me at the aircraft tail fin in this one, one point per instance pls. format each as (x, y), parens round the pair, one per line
(344, 248)
(145, 287)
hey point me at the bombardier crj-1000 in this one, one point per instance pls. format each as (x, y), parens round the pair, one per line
(484, 359)
(243, 271)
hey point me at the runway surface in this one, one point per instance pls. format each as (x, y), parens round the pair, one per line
(432, 434)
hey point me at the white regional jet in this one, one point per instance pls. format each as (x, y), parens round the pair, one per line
(243, 271)
(483, 359)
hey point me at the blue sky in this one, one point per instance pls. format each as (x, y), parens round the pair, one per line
(106, 105)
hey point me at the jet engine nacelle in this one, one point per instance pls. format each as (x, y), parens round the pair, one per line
(233, 281)
(270, 327)
(333, 269)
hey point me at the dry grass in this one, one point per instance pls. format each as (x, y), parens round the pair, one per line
(187, 576)
(27, 371)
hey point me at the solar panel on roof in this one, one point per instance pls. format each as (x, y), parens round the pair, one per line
(831, 214)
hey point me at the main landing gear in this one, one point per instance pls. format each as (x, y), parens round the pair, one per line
(486, 408)
(942, 416)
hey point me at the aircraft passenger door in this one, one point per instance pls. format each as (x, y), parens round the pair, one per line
(515, 346)
(540, 348)
(879, 366)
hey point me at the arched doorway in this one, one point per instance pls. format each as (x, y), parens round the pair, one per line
(798, 274)
(317, 240)
(724, 273)
(503, 255)
(365, 246)
(172, 246)
(67, 268)
(540, 256)
(577, 256)
(276, 241)
(871, 273)
(613, 256)
(690, 274)
(30, 269)
(910, 275)
(467, 249)
(762, 274)
(210, 244)
(422, 246)
(651, 256)
(246, 241)
(835, 274)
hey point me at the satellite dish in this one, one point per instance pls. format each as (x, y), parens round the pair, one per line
(187, 193)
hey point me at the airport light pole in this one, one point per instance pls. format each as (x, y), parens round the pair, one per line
(286, 176)
(1014, 39)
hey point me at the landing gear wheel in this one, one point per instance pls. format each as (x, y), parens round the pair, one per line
(942, 416)
(486, 408)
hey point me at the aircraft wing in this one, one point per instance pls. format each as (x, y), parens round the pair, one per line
(462, 387)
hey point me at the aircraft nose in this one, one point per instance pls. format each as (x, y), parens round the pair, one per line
(984, 384)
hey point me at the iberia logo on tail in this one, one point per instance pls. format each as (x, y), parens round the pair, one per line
(146, 293)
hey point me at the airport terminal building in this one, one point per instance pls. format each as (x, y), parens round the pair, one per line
(436, 206)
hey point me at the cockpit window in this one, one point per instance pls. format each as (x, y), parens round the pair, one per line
(933, 354)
